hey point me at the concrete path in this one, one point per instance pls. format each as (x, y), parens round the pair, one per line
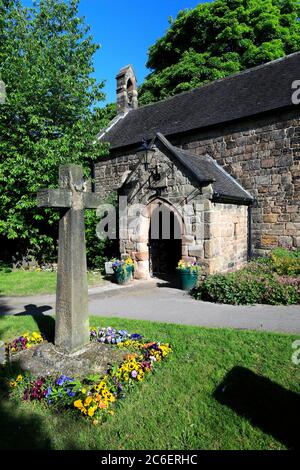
(158, 301)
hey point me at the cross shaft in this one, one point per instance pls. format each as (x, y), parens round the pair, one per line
(72, 324)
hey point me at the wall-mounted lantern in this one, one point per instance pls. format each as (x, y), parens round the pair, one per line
(147, 151)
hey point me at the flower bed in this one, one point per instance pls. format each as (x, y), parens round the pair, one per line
(274, 281)
(94, 396)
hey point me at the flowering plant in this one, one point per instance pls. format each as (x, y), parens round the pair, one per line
(95, 396)
(112, 335)
(123, 264)
(25, 341)
(187, 266)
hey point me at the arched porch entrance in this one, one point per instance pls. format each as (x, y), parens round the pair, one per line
(159, 240)
(164, 241)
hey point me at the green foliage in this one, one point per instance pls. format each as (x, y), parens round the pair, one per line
(217, 39)
(50, 117)
(106, 115)
(242, 288)
(99, 251)
(261, 282)
(286, 261)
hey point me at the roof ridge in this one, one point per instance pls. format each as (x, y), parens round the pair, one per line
(251, 92)
(205, 85)
(111, 124)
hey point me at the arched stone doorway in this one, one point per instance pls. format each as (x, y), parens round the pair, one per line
(159, 240)
(164, 241)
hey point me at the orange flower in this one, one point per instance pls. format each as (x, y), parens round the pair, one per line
(131, 356)
(148, 345)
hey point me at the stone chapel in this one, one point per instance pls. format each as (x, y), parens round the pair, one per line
(228, 150)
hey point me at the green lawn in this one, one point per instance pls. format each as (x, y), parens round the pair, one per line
(20, 282)
(181, 405)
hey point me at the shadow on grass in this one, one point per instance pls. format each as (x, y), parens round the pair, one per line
(18, 429)
(4, 308)
(264, 403)
(23, 427)
(45, 323)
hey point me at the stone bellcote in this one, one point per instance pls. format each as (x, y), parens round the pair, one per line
(127, 95)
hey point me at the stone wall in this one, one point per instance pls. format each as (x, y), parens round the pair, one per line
(111, 172)
(225, 248)
(263, 154)
(213, 233)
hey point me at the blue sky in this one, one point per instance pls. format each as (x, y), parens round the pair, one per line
(125, 30)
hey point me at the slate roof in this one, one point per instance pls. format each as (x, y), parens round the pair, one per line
(206, 170)
(253, 91)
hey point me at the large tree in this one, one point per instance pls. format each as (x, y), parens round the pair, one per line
(50, 117)
(216, 39)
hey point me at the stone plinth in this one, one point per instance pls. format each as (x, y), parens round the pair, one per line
(49, 360)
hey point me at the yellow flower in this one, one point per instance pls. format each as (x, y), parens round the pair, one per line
(78, 404)
(91, 410)
(12, 384)
(88, 400)
(101, 385)
(83, 390)
(36, 335)
(19, 378)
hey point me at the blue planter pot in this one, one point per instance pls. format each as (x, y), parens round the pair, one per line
(123, 276)
(188, 280)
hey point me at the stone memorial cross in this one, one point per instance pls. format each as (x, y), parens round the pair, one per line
(72, 323)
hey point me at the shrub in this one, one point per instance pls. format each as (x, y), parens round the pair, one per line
(5, 268)
(246, 287)
(286, 261)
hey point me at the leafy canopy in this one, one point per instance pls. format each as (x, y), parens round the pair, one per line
(217, 39)
(51, 114)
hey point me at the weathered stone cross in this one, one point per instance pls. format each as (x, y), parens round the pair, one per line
(72, 323)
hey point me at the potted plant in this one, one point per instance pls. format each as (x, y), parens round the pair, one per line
(189, 273)
(123, 270)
